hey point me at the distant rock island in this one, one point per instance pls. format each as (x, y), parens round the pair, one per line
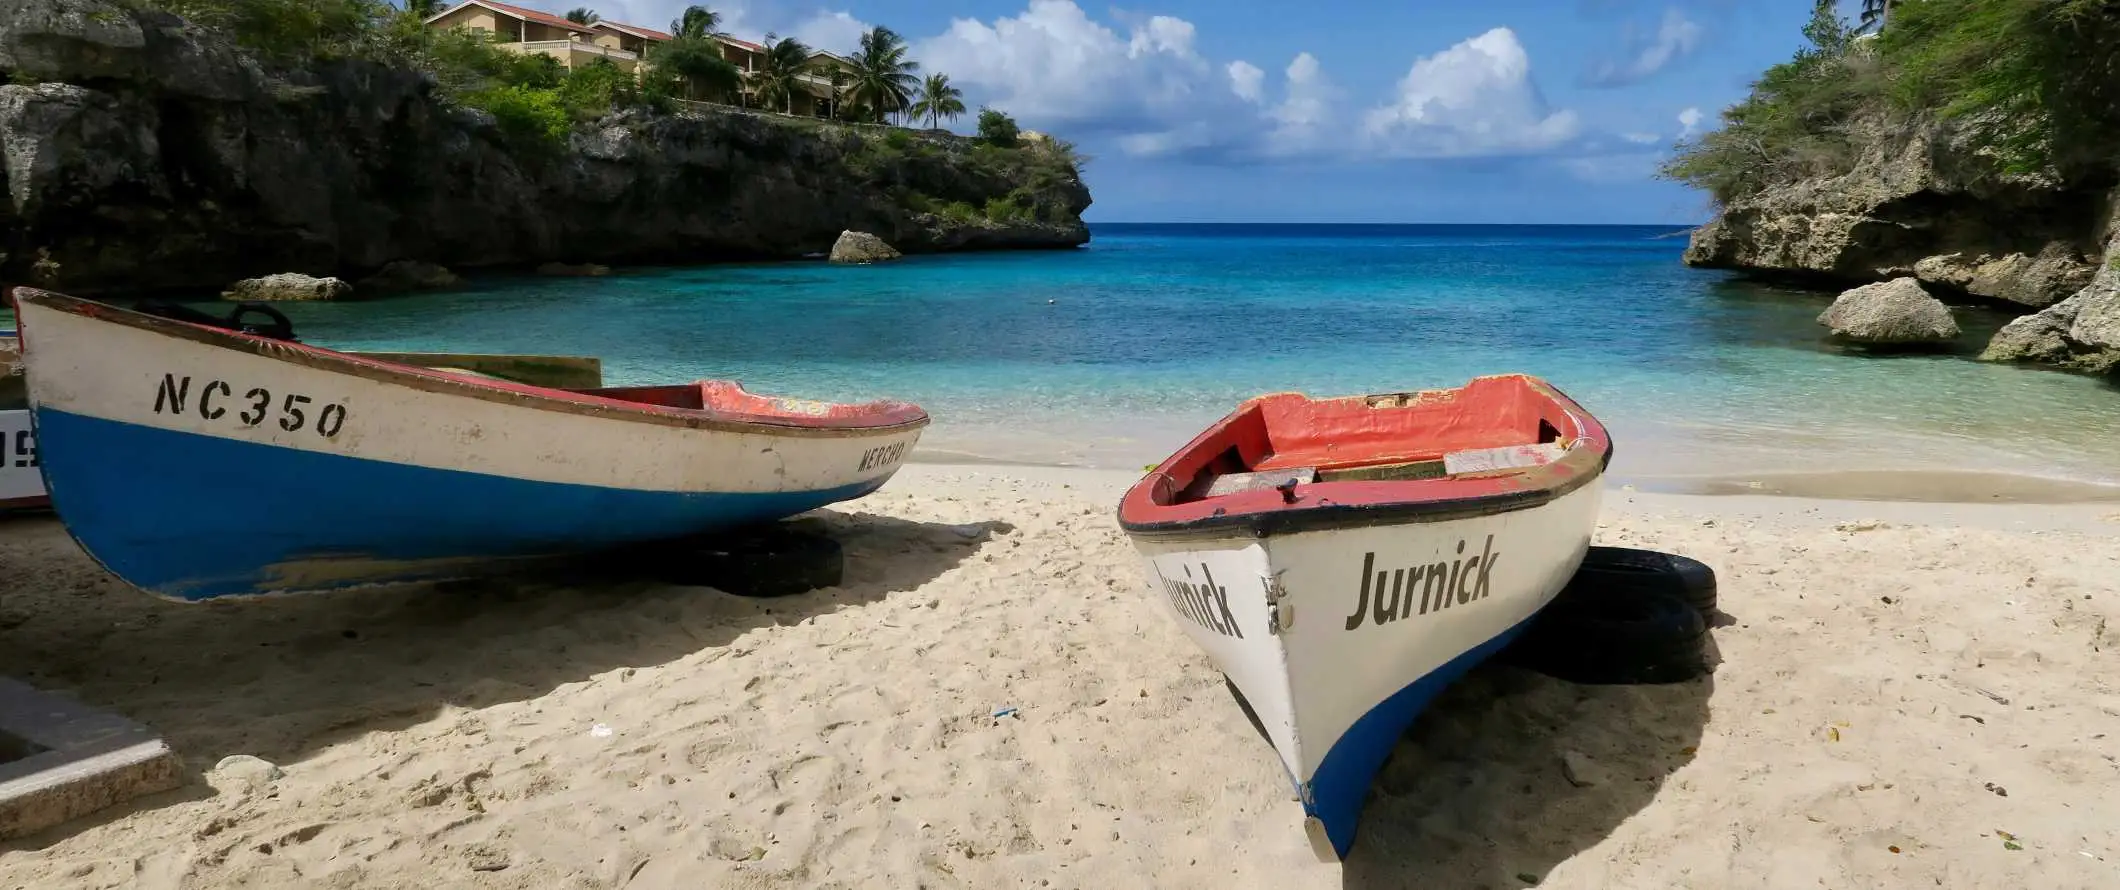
(1965, 144)
(146, 153)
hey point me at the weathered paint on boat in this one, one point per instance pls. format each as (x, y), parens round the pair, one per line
(1340, 609)
(198, 463)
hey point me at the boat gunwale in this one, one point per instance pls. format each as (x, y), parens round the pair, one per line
(503, 392)
(1323, 506)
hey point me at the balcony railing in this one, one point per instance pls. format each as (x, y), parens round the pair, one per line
(545, 46)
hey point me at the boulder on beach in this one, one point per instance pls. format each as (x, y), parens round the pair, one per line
(862, 247)
(404, 275)
(1895, 311)
(574, 269)
(288, 286)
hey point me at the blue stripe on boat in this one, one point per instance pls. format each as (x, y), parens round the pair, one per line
(1340, 785)
(195, 517)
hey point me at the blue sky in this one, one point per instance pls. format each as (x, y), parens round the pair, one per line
(1335, 110)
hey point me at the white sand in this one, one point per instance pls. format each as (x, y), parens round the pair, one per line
(1875, 681)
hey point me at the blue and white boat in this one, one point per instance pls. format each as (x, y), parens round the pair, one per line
(21, 482)
(1342, 561)
(198, 461)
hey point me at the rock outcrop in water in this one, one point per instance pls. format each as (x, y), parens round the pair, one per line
(143, 154)
(1891, 312)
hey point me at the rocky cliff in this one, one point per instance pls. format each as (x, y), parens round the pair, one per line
(1918, 202)
(145, 154)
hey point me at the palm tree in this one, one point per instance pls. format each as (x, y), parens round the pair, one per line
(582, 15)
(1874, 13)
(883, 77)
(697, 23)
(938, 100)
(776, 80)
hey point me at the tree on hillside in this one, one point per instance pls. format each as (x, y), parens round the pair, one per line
(883, 77)
(938, 100)
(697, 23)
(998, 128)
(698, 66)
(582, 15)
(423, 9)
(776, 80)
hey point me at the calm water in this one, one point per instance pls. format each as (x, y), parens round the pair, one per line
(1114, 354)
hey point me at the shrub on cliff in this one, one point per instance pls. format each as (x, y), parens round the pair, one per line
(2031, 84)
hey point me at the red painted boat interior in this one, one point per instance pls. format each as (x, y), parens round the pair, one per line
(1375, 449)
(729, 399)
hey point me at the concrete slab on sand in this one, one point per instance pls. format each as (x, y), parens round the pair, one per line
(61, 760)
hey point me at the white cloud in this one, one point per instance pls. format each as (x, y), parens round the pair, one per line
(1688, 122)
(1642, 56)
(837, 32)
(1054, 65)
(1641, 138)
(1247, 81)
(1304, 118)
(1142, 82)
(1473, 99)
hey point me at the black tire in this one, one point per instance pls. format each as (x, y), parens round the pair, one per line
(763, 562)
(1616, 635)
(1684, 577)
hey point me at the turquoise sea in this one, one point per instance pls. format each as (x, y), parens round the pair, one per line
(1114, 354)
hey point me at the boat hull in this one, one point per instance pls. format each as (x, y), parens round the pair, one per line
(194, 470)
(1338, 638)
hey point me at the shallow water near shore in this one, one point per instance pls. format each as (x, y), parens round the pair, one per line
(1114, 354)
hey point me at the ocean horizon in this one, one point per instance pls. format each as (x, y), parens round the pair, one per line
(1113, 354)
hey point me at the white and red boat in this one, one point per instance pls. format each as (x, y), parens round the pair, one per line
(1343, 560)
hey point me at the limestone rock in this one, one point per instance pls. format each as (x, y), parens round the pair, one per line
(144, 153)
(405, 275)
(861, 247)
(2057, 272)
(1896, 311)
(288, 286)
(2081, 333)
(1581, 771)
(242, 772)
(573, 269)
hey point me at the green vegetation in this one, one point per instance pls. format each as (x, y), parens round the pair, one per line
(999, 129)
(2030, 85)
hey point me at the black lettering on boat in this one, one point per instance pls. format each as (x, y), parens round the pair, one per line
(206, 406)
(1361, 602)
(1203, 602)
(25, 449)
(882, 455)
(1387, 610)
(1461, 580)
(331, 419)
(1431, 589)
(169, 398)
(259, 398)
(291, 416)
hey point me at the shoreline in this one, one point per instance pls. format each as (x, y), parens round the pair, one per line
(1908, 486)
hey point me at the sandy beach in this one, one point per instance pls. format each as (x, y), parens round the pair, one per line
(1906, 695)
